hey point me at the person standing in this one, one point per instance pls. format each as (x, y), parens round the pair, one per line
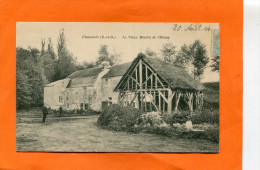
(60, 109)
(44, 113)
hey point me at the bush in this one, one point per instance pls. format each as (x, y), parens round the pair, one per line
(179, 117)
(206, 116)
(151, 119)
(118, 117)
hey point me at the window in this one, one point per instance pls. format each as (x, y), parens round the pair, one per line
(67, 97)
(60, 99)
(109, 98)
(68, 106)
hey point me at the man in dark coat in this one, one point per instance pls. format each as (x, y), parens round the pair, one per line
(44, 113)
(60, 111)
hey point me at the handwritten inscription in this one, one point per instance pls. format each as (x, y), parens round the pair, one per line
(191, 27)
(123, 37)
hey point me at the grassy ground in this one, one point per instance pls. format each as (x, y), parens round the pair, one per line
(81, 134)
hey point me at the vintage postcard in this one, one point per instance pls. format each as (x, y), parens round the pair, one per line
(117, 87)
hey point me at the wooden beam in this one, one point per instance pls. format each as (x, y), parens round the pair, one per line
(136, 78)
(123, 78)
(141, 82)
(147, 79)
(156, 80)
(170, 96)
(164, 102)
(163, 95)
(119, 98)
(159, 96)
(153, 101)
(151, 81)
(135, 81)
(135, 94)
(156, 76)
(139, 90)
(146, 75)
(178, 96)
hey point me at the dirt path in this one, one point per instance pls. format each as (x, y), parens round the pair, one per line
(81, 134)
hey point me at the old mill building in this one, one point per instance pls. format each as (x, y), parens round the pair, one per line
(147, 83)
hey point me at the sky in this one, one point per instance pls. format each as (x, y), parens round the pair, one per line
(83, 39)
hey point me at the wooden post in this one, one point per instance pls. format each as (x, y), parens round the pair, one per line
(154, 97)
(202, 99)
(156, 78)
(189, 96)
(159, 97)
(178, 96)
(163, 102)
(141, 83)
(119, 98)
(146, 76)
(170, 96)
(136, 78)
(152, 81)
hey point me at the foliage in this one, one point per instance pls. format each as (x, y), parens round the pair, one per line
(206, 116)
(23, 90)
(105, 55)
(215, 64)
(216, 50)
(150, 53)
(118, 117)
(150, 119)
(179, 117)
(183, 57)
(30, 78)
(66, 63)
(200, 58)
(168, 52)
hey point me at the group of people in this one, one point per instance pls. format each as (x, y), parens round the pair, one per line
(45, 111)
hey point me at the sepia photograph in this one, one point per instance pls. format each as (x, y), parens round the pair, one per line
(117, 87)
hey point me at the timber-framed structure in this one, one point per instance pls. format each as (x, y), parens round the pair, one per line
(158, 86)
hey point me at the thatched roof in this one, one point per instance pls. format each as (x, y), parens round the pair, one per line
(176, 77)
(86, 72)
(117, 70)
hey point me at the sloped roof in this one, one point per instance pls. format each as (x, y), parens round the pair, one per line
(82, 81)
(86, 72)
(60, 83)
(117, 70)
(176, 77)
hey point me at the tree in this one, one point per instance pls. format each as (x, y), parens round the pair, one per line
(199, 58)
(168, 52)
(150, 53)
(48, 62)
(115, 57)
(104, 55)
(61, 41)
(23, 90)
(50, 49)
(183, 57)
(43, 47)
(216, 51)
(30, 78)
(215, 65)
(66, 63)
